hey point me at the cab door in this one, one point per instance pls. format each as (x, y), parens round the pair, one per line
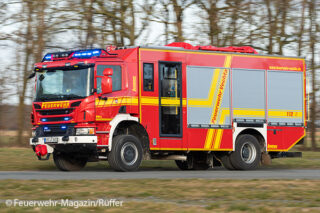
(149, 101)
(170, 99)
(107, 105)
(170, 105)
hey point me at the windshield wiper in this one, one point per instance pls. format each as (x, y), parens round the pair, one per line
(48, 97)
(58, 97)
(72, 96)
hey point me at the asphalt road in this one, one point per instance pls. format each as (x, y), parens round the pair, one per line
(209, 174)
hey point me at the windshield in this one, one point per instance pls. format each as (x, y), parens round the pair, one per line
(63, 84)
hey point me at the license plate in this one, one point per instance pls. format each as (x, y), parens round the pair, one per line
(51, 140)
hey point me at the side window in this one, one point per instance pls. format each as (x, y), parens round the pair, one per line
(148, 76)
(116, 77)
(99, 85)
(170, 81)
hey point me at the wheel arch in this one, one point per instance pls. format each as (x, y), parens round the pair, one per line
(256, 133)
(127, 124)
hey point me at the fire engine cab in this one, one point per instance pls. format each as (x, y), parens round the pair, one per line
(201, 106)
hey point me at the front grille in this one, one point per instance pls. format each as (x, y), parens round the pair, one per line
(55, 111)
(55, 119)
(55, 130)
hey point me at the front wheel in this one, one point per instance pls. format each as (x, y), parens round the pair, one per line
(126, 153)
(247, 153)
(66, 162)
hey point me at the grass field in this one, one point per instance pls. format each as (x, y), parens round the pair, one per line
(191, 195)
(150, 195)
(17, 159)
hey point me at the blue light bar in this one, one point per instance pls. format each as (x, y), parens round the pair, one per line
(43, 119)
(46, 129)
(48, 57)
(66, 118)
(78, 54)
(86, 53)
(63, 127)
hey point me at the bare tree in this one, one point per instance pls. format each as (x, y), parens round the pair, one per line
(210, 7)
(122, 17)
(28, 9)
(40, 30)
(161, 15)
(284, 6)
(301, 31)
(179, 7)
(312, 37)
(273, 12)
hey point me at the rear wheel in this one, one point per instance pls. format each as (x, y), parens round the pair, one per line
(200, 166)
(225, 159)
(183, 165)
(65, 162)
(126, 153)
(247, 153)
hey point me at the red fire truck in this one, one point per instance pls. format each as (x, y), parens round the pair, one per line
(201, 106)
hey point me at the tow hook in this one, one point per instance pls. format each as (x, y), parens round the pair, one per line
(41, 150)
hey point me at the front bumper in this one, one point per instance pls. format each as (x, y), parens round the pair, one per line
(53, 140)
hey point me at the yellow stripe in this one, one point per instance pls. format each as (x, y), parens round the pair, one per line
(209, 138)
(149, 101)
(284, 113)
(170, 101)
(156, 148)
(224, 114)
(192, 102)
(248, 113)
(285, 110)
(134, 84)
(100, 118)
(166, 101)
(144, 101)
(116, 101)
(210, 133)
(274, 113)
(191, 149)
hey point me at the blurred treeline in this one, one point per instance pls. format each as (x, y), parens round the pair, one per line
(29, 28)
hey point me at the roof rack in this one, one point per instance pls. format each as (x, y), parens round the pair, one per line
(243, 49)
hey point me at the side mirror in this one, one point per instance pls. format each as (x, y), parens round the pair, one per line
(31, 75)
(107, 72)
(106, 84)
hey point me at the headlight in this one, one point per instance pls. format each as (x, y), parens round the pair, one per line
(84, 131)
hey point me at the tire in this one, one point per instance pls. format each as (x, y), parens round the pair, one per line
(183, 165)
(225, 159)
(65, 162)
(200, 166)
(247, 153)
(126, 153)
